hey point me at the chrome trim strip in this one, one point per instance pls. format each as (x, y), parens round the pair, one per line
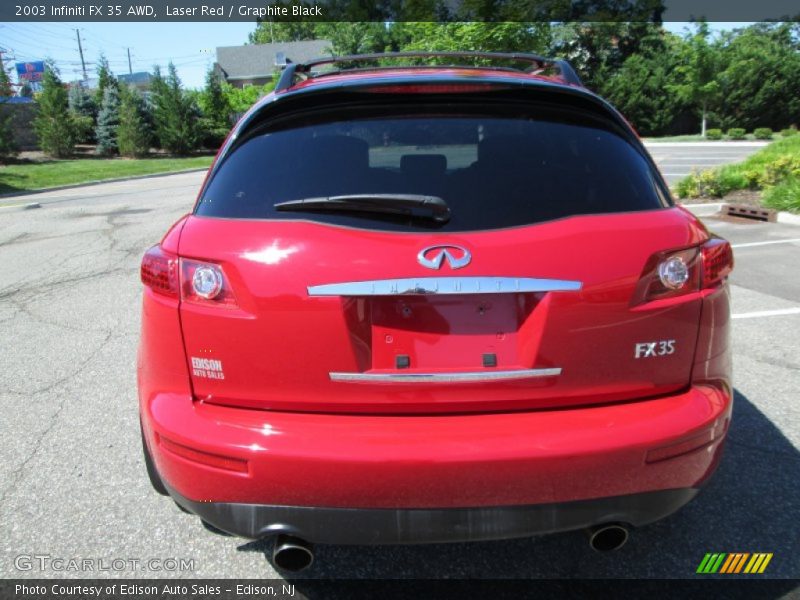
(454, 377)
(420, 286)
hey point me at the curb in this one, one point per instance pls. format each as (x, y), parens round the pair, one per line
(97, 182)
(714, 144)
(712, 208)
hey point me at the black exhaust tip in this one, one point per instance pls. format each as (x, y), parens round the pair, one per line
(292, 554)
(608, 537)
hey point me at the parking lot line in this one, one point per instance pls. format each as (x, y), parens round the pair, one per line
(749, 244)
(767, 313)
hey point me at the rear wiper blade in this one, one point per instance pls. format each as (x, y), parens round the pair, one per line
(413, 205)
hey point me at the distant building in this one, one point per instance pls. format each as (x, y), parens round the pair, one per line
(141, 80)
(255, 64)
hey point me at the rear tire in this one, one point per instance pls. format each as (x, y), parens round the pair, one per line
(152, 473)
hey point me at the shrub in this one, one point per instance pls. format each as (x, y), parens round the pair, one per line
(84, 114)
(108, 122)
(134, 134)
(175, 113)
(736, 133)
(84, 128)
(705, 184)
(211, 137)
(789, 132)
(780, 169)
(8, 145)
(714, 134)
(54, 126)
(785, 196)
(763, 133)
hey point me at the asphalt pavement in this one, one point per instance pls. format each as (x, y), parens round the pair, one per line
(677, 159)
(72, 480)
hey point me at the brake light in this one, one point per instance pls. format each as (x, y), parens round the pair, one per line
(159, 271)
(717, 261)
(433, 88)
(205, 283)
(678, 272)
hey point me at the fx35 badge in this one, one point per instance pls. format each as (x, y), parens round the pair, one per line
(653, 349)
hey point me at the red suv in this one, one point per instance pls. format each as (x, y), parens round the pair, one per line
(433, 303)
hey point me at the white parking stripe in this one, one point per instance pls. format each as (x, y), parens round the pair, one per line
(749, 244)
(767, 313)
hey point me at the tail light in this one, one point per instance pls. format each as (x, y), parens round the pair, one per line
(678, 272)
(159, 271)
(205, 283)
(191, 280)
(717, 261)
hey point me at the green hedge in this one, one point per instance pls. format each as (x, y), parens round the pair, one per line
(714, 134)
(737, 133)
(763, 133)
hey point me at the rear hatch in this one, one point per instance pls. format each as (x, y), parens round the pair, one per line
(358, 292)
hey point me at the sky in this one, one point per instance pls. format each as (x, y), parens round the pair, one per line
(191, 46)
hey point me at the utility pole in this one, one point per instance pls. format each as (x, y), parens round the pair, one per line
(80, 50)
(130, 68)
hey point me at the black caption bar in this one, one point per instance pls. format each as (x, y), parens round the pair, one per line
(362, 11)
(297, 589)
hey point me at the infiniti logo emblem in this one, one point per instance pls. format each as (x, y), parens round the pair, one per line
(433, 256)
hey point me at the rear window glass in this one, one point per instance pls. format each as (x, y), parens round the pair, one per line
(492, 172)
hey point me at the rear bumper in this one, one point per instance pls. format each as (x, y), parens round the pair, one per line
(420, 526)
(476, 476)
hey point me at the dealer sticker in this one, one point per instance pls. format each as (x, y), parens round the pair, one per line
(207, 367)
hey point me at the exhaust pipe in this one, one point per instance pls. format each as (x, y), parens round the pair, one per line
(292, 554)
(607, 537)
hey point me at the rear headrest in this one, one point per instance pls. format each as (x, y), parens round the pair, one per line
(500, 150)
(423, 164)
(336, 152)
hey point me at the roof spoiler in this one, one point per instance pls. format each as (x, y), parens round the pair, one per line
(292, 71)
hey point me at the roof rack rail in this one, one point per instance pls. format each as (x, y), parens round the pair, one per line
(538, 63)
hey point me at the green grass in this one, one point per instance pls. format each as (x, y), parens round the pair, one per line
(30, 176)
(775, 170)
(785, 196)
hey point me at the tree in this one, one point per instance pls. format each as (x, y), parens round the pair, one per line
(53, 124)
(478, 36)
(759, 77)
(5, 83)
(354, 38)
(696, 72)
(637, 89)
(216, 108)
(81, 101)
(108, 122)
(599, 49)
(84, 113)
(268, 32)
(175, 114)
(241, 99)
(133, 134)
(8, 145)
(105, 78)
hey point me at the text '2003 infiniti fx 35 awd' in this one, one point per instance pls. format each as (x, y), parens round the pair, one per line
(433, 303)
